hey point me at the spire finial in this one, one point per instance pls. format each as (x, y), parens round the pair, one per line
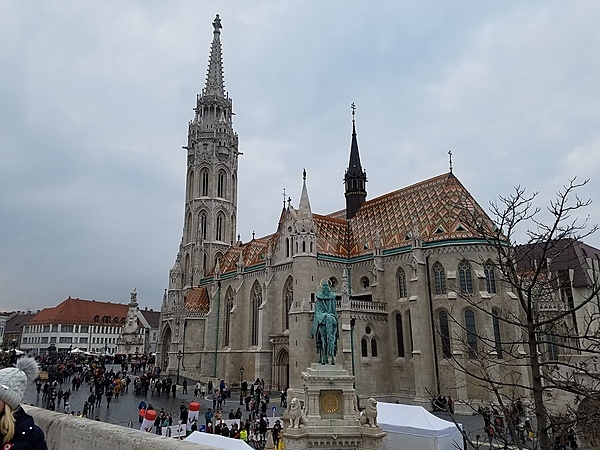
(304, 174)
(217, 24)
(284, 195)
(450, 157)
(253, 234)
(353, 107)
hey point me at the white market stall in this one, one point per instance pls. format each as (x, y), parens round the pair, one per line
(415, 427)
(217, 441)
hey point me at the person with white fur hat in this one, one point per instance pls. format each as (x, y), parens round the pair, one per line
(17, 430)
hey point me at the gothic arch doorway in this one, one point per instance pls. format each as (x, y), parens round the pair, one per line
(282, 370)
(166, 346)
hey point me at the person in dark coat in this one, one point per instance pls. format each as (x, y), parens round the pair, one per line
(20, 432)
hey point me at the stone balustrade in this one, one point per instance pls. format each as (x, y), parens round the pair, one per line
(65, 432)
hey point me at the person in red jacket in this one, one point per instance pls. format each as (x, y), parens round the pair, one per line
(17, 429)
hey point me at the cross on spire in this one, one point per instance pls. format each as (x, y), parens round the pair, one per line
(353, 107)
(450, 157)
(284, 195)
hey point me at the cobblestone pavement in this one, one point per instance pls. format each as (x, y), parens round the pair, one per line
(124, 410)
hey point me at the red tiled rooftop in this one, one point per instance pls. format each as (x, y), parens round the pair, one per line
(79, 311)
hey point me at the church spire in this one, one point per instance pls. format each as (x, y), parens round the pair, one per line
(355, 178)
(304, 211)
(214, 76)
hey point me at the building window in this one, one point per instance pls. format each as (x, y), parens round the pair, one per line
(464, 275)
(256, 301)
(66, 328)
(204, 181)
(287, 247)
(412, 346)
(439, 276)
(219, 227)
(190, 185)
(445, 334)
(402, 290)
(365, 282)
(46, 329)
(374, 348)
(83, 340)
(44, 340)
(221, 184)
(552, 347)
(471, 333)
(203, 222)
(65, 340)
(53, 340)
(363, 348)
(490, 278)
(399, 336)
(497, 336)
(288, 298)
(228, 308)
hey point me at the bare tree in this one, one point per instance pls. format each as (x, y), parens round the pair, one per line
(541, 349)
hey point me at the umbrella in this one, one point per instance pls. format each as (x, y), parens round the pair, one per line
(76, 350)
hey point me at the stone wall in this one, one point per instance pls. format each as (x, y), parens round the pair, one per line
(64, 432)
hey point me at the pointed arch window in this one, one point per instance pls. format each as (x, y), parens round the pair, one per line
(497, 335)
(255, 304)
(410, 334)
(188, 227)
(204, 182)
(439, 276)
(287, 247)
(203, 224)
(402, 288)
(221, 184)
(445, 334)
(490, 277)
(190, 185)
(399, 336)
(471, 330)
(465, 278)
(228, 308)
(374, 348)
(219, 227)
(364, 349)
(288, 298)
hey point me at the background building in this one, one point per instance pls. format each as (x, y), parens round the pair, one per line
(14, 326)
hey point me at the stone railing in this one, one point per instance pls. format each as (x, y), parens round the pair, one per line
(357, 305)
(65, 432)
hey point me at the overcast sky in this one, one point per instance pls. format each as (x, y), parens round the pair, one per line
(95, 98)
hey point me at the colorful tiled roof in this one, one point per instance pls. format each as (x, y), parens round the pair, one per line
(197, 300)
(439, 208)
(78, 311)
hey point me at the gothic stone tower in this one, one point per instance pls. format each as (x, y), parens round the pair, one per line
(212, 164)
(210, 215)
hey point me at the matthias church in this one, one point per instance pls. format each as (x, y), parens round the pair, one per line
(243, 310)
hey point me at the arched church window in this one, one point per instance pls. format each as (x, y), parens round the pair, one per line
(190, 185)
(255, 304)
(228, 308)
(374, 348)
(204, 182)
(221, 184)
(287, 247)
(188, 227)
(303, 246)
(464, 276)
(203, 224)
(402, 288)
(490, 277)
(471, 333)
(497, 335)
(445, 334)
(364, 348)
(219, 227)
(288, 298)
(399, 336)
(439, 276)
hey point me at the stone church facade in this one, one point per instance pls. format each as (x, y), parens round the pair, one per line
(396, 263)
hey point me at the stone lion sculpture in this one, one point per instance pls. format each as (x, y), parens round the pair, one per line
(297, 418)
(369, 416)
(289, 396)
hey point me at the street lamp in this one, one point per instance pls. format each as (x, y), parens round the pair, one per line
(13, 352)
(179, 356)
(241, 381)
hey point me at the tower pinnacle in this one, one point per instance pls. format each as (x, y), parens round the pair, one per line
(214, 77)
(355, 178)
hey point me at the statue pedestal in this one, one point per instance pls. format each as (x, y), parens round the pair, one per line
(330, 413)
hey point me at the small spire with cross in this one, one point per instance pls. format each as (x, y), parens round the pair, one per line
(253, 234)
(353, 107)
(304, 174)
(450, 157)
(284, 195)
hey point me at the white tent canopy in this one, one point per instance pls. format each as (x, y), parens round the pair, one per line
(415, 427)
(76, 350)
(217, 441)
